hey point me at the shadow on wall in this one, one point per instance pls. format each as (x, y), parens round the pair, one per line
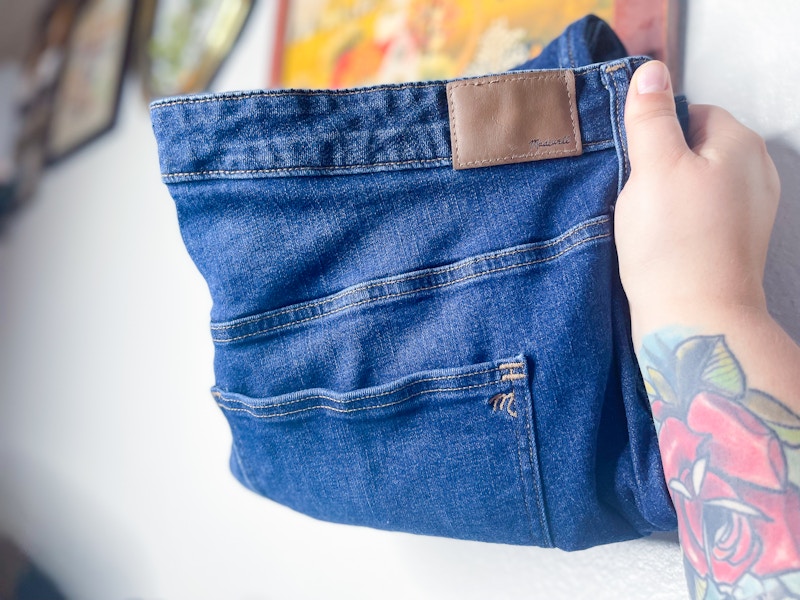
(61, 533)
(20, 579)
(782, 276)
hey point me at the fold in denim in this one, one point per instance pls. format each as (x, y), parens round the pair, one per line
(404, 346)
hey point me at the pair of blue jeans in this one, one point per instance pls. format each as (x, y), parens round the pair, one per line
(410, 347)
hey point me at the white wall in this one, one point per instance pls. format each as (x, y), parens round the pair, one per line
(741, 56)
(113, 457)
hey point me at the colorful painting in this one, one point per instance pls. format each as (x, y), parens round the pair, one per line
(188, 41)
(343, 43)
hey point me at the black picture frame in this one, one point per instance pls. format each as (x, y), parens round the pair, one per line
(87, 95)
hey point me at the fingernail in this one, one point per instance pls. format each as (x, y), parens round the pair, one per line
(652, 78)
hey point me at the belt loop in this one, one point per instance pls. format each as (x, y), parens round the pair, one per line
(616, 76)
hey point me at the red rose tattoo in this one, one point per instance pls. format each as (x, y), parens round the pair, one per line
(726, 467)
(729, 500)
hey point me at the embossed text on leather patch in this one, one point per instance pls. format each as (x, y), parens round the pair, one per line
(514, 117)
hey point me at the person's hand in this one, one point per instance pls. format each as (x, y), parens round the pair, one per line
(692, 227)
(693, 221)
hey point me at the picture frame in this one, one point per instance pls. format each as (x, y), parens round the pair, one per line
(343, 44)
(183, 43)
(654, 28)
(86, 96)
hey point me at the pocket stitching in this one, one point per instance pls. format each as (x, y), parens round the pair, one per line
(414, 291)
(536, 473)
(219, 395)
(349, 410)
(427, 272)
(526, 410)
(523, 486)
(504, 375)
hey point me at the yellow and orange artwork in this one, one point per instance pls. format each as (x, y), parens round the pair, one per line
(346, 43)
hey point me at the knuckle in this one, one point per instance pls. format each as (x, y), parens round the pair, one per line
(652, 114)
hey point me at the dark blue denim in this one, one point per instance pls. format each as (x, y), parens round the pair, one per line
(409, 347)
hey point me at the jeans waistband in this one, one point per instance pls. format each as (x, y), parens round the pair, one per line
(281, 133)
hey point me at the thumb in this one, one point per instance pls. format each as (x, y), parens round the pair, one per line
(651, 125)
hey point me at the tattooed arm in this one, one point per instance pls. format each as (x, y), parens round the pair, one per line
(692, 227)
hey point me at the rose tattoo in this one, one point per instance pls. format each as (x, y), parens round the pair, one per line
(731, 457)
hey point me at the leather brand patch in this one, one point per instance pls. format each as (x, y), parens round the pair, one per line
(512, 118)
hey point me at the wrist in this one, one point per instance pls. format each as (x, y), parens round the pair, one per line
(700, 316)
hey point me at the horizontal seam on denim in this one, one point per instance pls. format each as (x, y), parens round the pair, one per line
(473, 276)
(331, 167)
(410, 277)
(512, 376)
(304, 167)
(348, 410)
(292, 93)
(285, 93)
(222, 397)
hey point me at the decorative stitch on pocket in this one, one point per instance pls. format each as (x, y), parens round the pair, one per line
(416, 454)
(504, 401)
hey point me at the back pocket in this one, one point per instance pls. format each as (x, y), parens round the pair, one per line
(447, 452)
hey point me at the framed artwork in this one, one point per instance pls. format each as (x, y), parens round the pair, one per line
(37, 85)
(654, 28)
(186, 42)
(87, 93)
(345, 43)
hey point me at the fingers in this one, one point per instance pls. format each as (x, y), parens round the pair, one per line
(717, 136)
(652, 127)
(704, 119)
(713, 130)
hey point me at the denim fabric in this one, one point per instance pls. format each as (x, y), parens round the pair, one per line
(408, 347)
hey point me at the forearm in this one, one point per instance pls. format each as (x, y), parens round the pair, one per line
(769, 358)
(724, 387)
